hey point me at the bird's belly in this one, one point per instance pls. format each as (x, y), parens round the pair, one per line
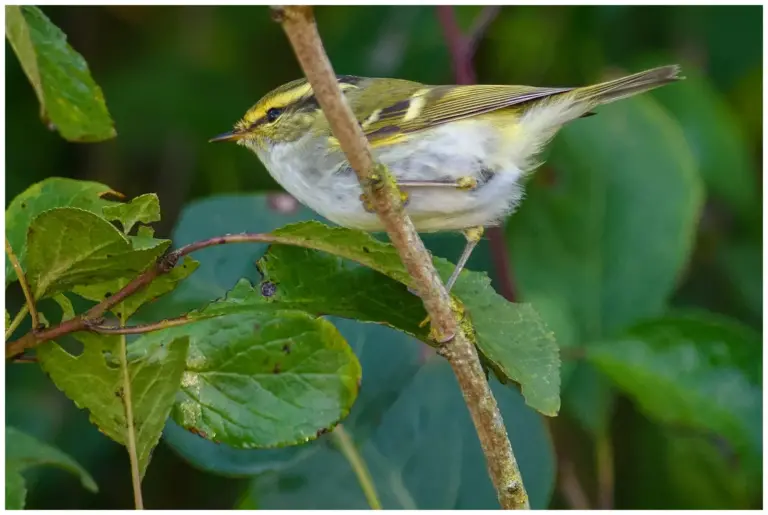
(446, 154)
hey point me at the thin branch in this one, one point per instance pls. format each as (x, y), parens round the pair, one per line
(350, 452)
(458, 348)
(462, 49)
(16, 321)
(130, 429)
(142, 328)
(24, 285)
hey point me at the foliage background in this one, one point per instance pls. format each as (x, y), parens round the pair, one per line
(174, 76)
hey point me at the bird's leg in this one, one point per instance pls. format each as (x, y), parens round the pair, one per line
(465, 183)
(473, 236)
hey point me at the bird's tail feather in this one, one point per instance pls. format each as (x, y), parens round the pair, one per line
(624, 87)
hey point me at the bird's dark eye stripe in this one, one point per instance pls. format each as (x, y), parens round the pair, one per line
(273, 114)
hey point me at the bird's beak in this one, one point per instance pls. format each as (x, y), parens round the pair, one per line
(227, 136)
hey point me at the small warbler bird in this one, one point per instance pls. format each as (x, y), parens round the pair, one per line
(458, 153)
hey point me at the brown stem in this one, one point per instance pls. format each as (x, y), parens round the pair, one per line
(142, 328)
(462, 49)
(24, 285)
(299, 25)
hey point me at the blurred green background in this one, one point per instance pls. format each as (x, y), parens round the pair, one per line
(175, 76)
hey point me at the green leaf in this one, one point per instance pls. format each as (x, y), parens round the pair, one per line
(700, 371)
(22, 452)
(159, 286)
(70, 247)
(414, 433)
(608, 224)
(715, 138)
(512, 336)
(42, 196)
(144, 209)
(94, 381)
(613, 233)
(262, 379)
(68, 96)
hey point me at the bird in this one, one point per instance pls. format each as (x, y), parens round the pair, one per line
(459, 153)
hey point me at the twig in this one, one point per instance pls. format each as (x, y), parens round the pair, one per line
(349, 450)
(24, 285)
(130, 428)
(299, 25)
(462, 49)
(142, 328)
(16, 320)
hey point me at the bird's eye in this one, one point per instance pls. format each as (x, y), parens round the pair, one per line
(273, 114)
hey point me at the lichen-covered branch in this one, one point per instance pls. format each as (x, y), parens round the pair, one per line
(299, 25)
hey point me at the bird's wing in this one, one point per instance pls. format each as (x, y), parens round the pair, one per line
(430, 106)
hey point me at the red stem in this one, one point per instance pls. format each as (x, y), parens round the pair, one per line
(462, 49)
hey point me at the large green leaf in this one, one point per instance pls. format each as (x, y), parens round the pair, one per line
(613, 233)
(68, 247)
(23, 451)
(608, 225)
(42, 196)
(262, 379)
(698, 371)
(511, 335)
(69, 98)
(414, 433)
(94, 381)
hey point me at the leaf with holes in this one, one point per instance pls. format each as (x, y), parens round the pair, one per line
(511, 336)
(142, 209)
(69, 98)
(22, 452)
(70, 247)
(160, 286)
(42, 196)
(94, 381)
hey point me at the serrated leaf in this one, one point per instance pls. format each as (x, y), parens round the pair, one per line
(95, 382)
(70, 247)
(23, 451)
(511, 335)
(159, 286)
(699, 371)
(69, 98)
(42, 196)
(144, 209)
(262, 379)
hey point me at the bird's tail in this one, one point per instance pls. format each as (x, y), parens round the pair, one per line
(624, 87)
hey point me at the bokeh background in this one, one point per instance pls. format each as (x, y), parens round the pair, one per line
(175, 76)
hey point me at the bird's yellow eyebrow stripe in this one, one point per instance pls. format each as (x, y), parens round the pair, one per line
(285, 98)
